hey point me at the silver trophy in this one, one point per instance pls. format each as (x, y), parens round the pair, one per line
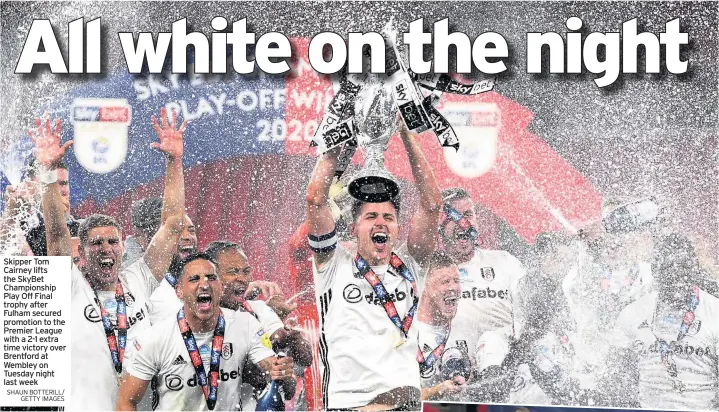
(376, 121)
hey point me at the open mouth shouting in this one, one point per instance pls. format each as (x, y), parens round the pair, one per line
(185, 250)
(448, 305)
(204, 302)
(235, 294)
(451, 301)
(106, 264)
(463, 239)
(380, 240)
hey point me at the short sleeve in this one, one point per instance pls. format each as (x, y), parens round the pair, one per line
(260, 347)
(267, 317)
(76, 279)
(143, 363)
(140, 274)
(325, 276)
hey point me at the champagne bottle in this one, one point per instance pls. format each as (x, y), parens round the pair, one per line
(272, 398)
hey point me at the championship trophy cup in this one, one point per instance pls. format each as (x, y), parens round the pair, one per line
(376, 121)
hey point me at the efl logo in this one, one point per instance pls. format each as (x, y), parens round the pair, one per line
(100, 128)
(477, 127)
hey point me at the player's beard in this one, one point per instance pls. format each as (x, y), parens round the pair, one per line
(460, 246)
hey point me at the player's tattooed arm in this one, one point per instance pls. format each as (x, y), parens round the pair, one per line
(49, 154)
(132, 390)
(164, 244)
(423, 235)
(319, 214)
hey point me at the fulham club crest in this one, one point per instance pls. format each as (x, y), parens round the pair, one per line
(487, 274)
(694, 328)
(226, 351)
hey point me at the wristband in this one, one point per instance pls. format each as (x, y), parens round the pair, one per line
(47, 177)
(324, 243)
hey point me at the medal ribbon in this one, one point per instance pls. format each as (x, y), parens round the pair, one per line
(461, 221)
(170, 279)
(116, 344)
(692, 302)
(210, 389)
(436, 353)
(379, 289)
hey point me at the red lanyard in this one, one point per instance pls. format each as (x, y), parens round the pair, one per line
(116, 344)
(436, 353)
(379, 289)
(191, 345)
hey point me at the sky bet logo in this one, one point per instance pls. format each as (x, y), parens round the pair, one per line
(101, 114)
(174, 382)
(487, 293)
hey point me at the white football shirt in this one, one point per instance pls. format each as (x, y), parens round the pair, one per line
(165, 303)
(489, 296)
(429, 337)
(162, 353)
(94, 379)
(641, 329)
(583, 290)
(358, 342)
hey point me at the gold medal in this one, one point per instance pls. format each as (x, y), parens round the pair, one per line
(401, 341)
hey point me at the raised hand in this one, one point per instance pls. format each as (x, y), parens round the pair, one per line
(48, 151)
(171, 143)
(267, 289)
(281, 307)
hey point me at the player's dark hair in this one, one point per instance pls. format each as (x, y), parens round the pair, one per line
(439, 259)
(357, 207)
(453, 194)
(95, 221)
(178, 269)
(147, 215)
(218, 246)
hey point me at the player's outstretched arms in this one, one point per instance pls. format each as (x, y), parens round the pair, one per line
(164, 244)
(322, 236)
(423, 235)
(49, 154)
(132, 390)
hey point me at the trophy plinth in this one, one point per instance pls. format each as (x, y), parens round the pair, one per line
(376, 120)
